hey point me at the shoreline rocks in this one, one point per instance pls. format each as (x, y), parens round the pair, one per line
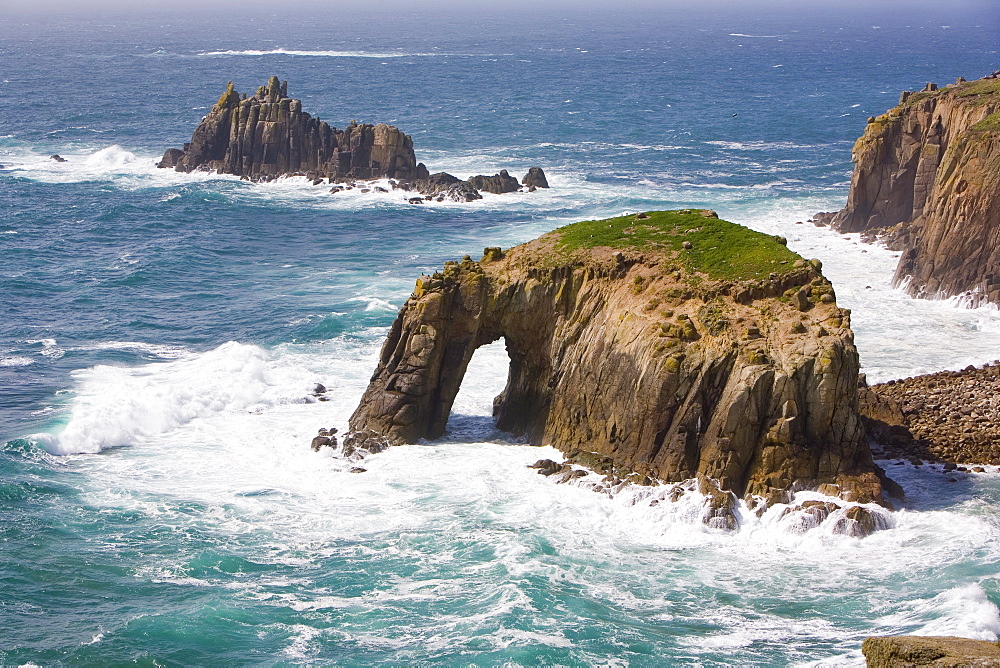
(948, 416)
(267, 136)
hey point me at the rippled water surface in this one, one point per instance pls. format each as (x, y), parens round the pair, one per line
(161, 333)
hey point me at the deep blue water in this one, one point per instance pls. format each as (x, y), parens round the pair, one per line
(159, 333)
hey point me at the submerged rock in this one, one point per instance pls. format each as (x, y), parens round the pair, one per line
(626, 346)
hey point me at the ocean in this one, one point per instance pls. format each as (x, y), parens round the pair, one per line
(161, 335)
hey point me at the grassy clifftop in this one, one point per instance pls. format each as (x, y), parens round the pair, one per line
(697, 239)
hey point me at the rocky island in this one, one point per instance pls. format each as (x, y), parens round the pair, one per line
(927, 181)
(267, 136)
(656, 347)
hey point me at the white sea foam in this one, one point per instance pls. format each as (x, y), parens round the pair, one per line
(158, 350)
(321, 53)
(117, 406)
(49, 347)
(252, 475)
(15, 360)
(374, 303)
(963, 611)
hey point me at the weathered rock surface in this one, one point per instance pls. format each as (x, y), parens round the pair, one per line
(941, 651)
(268, 135)
(950, 416)
(669, 345)
(927, 176)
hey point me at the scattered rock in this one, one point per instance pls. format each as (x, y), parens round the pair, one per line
(949, 416)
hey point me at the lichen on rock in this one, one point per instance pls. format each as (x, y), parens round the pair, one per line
(724, 378)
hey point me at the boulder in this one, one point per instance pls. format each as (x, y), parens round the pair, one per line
(497, 184)
(940, 651)
(170, 158)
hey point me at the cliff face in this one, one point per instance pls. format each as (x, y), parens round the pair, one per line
(931, 165)
(674, 344)
(268, 135)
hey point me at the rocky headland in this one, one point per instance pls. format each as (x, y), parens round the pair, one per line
(927, 182)
(267, 136)
(659, 347)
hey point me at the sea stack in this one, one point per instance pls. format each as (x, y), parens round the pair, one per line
(667, 345)
(927, 175)
(268, 135)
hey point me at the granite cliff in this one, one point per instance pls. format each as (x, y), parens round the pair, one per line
(662, 347)
(927, 177)
(267, 136)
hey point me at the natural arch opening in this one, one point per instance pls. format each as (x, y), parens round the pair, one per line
(471, 418)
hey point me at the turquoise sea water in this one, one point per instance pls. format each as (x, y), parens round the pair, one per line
(160, 335)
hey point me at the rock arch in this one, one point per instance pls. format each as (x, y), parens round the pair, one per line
(736, 381)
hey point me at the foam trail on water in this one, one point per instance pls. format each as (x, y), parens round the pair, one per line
(321, 53)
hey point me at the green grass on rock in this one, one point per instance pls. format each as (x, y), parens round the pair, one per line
(719, 249)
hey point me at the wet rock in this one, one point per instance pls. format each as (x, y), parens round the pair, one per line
(535, 178)
(497, 184)
(360, 444)
(546, 467)
(57, 158)
(719, 511)
(170, 158)
(859, 522)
